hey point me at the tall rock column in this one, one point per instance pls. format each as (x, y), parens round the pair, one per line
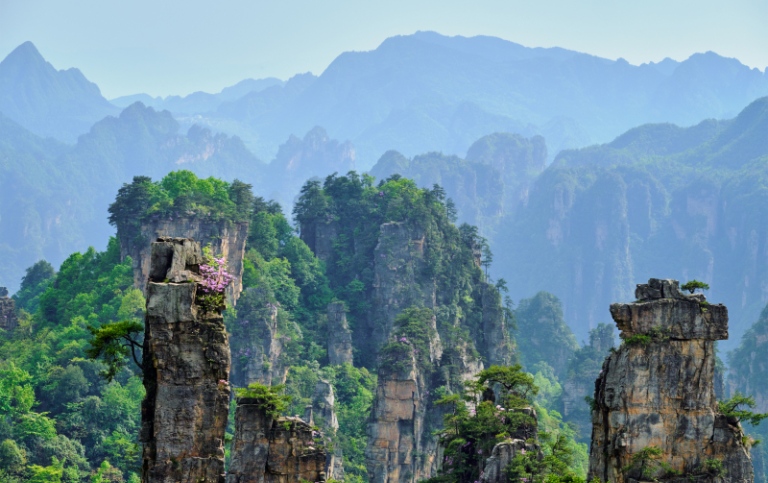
(7, 311)
(656, 394)
(339, 335)
(186, 372)
(269, 450)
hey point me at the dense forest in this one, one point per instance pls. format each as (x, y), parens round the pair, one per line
(69, 417)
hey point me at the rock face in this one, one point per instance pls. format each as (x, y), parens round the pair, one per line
(399, 450)
(226, 239)
(257, 346)
(657, 390)
(324, 413)
(267, 450)
(339, 335)
(398, 262)
(186, 372)
(502, 455)
(7, 311)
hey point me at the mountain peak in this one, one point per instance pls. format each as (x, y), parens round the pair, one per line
(24, 54)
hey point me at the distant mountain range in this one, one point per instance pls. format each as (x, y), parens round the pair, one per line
(416, 93)
(480, 116)
(51, 103)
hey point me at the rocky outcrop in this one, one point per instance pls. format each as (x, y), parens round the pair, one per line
(657, 391)
(269, 450)
(7, 311)
(339, 335)
(399, 450)
(398, 284)
(501, 456)
(257, 345)
(324, 416)
(186, 372)
(225, 238)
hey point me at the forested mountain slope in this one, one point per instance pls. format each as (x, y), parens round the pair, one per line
(55, 196)
(686, 202)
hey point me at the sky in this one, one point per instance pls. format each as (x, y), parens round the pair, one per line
(175, 47)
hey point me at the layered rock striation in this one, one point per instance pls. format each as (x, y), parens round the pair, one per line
(257, 346)
(186, 372)
(225, 238)
(7, 311)
(274, 450)
(655, 414)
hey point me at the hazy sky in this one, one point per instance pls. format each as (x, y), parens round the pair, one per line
(166, 47)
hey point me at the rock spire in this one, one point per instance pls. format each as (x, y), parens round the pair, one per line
(655, 414)
(186, 372)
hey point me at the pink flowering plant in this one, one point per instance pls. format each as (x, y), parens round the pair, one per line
(211, 297)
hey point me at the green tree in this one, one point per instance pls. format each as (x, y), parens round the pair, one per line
(694, 285)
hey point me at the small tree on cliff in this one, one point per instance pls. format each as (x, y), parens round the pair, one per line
(694, 285)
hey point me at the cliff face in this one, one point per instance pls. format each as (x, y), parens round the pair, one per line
(226, 238)
(399, 450)
(339, 335)
(657, 390)
(7, 311)
(257, 346)
(186, 372)
(267, 450)
(398, 263)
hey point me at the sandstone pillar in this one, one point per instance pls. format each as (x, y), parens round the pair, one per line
(186, 372)
(267, 450)
(656, 393)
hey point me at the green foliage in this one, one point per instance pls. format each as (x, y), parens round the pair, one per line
(268, 398)
(542, 334)
(474, 424)
(113, 342)
(638, 339)
(33, 285)
(694, 285)
(350, 210)
(735, 408)
(179, 193)
(57, 409)
(645, 463)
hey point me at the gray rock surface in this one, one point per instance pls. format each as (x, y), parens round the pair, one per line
(339, 335)
(225, 238)
(267, 450)
(257, 346)
(659, 392)
(501, 456)
(186, 373)
(8, 319)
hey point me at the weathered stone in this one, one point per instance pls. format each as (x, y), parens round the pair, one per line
(398, 263)
(7, 311)
(267, 450)
(339, 335)
(660, 393)
(496, 344)
(501, 456)
(257, 346)
(324, 414)
(186, 373)
(225, 238)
